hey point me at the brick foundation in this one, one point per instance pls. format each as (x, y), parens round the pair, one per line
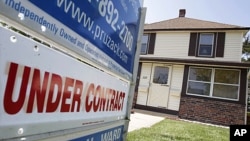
(211, 111)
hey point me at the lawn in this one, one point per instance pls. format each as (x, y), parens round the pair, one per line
(178, 130)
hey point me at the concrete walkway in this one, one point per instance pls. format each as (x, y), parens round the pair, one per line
(144, 119)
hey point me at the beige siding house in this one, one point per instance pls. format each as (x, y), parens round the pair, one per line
(192, 68)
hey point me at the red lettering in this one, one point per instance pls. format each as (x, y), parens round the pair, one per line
(123, 96)
(116, 101)
(66, 94)
(55, 87)
(108, 93)
(56, 91)
(37, 91)
(119, 105)
(10, 106)
(98, 92)
(111, 108)
(77, 96)
(90, 91)
(102, 101)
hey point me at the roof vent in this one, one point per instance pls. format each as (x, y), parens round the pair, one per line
(182, 12)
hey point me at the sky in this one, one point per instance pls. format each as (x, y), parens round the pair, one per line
(234, 12)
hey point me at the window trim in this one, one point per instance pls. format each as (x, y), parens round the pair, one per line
(212, 83)
(147, 45)
(212, 45)
(218, 44)
(168, 75)
(150, 44)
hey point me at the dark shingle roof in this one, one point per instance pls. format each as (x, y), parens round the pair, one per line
(183, 23)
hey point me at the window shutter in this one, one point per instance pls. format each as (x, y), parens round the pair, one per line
(215, 44)
(151, 46)
(220, 44)
(192, 44)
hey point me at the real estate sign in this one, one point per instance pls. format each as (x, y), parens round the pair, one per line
(104, 31)
(42, 90)
(56, 79)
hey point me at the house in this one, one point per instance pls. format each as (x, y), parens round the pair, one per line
(192, 68)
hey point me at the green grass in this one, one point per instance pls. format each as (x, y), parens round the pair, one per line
(176, 130)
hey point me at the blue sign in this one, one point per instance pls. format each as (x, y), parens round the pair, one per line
(111, 25)
(113, 134)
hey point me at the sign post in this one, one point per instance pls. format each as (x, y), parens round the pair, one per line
(137, 57)
(71, 72)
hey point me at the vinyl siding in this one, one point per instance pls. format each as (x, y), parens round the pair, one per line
(171, 44)
(144, 83)
(176, 45)
(176, 86)
(233, 44)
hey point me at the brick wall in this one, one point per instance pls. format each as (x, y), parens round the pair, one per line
(211, 111)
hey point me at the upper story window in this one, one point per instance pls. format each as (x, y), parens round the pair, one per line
(206, 44)
(144, 43)
(148, 43)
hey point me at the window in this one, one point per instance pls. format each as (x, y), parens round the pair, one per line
(206, 44)
(148, 43)
(214, 82)
(226, 83)
(144, 44)
(199, 81)
(161, 75)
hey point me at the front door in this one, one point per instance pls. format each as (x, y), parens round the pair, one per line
(159, 86)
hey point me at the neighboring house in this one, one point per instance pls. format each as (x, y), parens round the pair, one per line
(192, 68)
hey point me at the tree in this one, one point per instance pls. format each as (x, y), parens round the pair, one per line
(246, 49)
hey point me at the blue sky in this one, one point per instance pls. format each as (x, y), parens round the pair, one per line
(235, 12)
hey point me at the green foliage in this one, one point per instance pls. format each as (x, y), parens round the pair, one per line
(246, 49)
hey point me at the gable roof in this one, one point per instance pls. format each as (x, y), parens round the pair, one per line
(183, 23)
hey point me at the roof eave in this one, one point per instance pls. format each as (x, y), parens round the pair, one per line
(196, 29)
(196, 61)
